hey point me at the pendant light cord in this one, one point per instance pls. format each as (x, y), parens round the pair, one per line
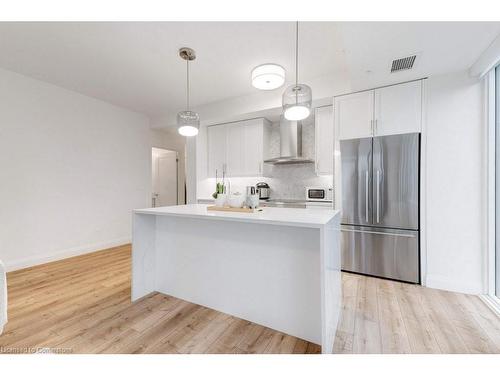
(187, 83)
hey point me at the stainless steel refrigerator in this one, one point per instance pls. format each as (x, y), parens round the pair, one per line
(380, 206)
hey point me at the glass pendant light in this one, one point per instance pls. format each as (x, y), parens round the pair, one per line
(188, 122)
(297, 98)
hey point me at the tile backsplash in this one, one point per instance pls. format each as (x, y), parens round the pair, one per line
(286, 181)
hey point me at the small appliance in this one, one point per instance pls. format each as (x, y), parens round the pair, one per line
(319, 194)
(263, 190)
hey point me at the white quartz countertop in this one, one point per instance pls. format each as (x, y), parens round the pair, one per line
(300, 217)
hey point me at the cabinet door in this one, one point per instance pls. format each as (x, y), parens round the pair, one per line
(235, 150)
(244, 155)
(253, 135)
(323, 139)
(354, 115)
(398, 109)
(216, 150)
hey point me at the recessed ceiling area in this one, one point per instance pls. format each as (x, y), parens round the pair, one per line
(136, 65)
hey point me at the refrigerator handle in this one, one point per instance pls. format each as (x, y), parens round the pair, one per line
(381, 233)
(378, 196)
(366, 196)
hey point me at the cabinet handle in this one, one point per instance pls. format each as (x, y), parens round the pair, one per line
(371, 126)
(376, 125)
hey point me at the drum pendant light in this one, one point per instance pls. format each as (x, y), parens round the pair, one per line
(268, 76)
(297, 98)
(188, 122)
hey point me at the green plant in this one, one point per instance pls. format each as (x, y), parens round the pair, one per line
(219, 189)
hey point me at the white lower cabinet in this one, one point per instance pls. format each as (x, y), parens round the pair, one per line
(319, 205)
(239, 148)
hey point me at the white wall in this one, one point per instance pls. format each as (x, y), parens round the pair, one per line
(456, 183)
(71, 170)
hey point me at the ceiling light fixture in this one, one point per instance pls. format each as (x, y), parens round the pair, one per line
(297, 98)
(188, 122)
(268, 76)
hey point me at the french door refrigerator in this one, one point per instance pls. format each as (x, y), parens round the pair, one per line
(380, 206)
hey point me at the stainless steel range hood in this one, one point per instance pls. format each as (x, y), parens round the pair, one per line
(290, 144)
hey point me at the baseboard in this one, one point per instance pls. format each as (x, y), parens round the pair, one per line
(453, 285)
(492, 302)
(68, 253)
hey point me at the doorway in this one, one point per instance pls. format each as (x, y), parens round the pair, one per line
(165, 174)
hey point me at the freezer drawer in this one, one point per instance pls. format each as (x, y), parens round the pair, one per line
(389, 253)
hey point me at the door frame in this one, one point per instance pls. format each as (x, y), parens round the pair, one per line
(491, 211)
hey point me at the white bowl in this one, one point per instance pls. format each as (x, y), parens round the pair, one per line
(236, 201)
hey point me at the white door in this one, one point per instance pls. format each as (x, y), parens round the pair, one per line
(324, 140)
(398, 109)
(354, 115)
(164, 168)
(216, 150)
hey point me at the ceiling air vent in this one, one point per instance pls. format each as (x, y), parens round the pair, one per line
(403, 63)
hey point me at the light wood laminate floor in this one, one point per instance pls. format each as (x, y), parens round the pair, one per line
(82, 305)
(382, 316)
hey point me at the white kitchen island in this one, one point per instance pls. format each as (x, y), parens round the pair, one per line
(279, 267)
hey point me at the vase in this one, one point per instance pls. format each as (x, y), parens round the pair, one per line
(221, 200)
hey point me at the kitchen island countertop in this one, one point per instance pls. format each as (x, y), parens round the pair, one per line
(301, 217)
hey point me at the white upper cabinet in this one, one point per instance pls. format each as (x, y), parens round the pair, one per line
(234, 151)
(388, 110)
(255, 147)
(354, 115)
(398, 109)
(216, 150)
(239, 148)
(324, 139)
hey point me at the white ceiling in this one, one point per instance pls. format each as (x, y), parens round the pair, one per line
(136, 65)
